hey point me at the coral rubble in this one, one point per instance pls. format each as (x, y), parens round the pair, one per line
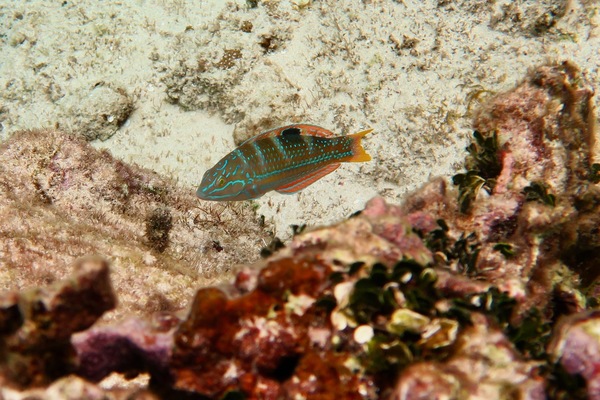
(482, 292)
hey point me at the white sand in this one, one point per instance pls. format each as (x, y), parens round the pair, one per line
(410, 69)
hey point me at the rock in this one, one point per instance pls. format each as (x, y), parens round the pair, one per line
(74, 388)
(259, 343)
(61, 199)
(482, 365)
(576, 346)
(39, 350)
(526, 196)
(10, 316)
(132, 347)
(67, 388)
(102, 111)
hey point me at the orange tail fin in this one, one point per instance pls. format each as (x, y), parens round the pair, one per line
(360, 155)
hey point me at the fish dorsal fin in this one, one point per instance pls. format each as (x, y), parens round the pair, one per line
(295, 129)
(307, 180)
(312, 130)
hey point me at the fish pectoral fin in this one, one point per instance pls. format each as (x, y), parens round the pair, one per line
(307, 180)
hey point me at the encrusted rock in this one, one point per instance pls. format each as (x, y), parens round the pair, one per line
(39, 350)
(61, 199)
(259, 343)
(527, 199)
(483, 365)
(131, 347)
(576, 346)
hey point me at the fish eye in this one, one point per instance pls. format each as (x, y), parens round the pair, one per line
(221, 182)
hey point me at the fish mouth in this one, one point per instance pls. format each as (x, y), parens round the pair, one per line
(232, 190)
(200, 193)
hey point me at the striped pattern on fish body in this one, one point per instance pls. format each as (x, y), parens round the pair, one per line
(285, 159)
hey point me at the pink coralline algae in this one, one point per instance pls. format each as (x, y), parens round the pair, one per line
(487, 291)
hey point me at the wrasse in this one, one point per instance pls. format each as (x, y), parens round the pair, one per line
(285, 159)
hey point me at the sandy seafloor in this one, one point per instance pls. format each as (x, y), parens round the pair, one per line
(193, 74)
(172, 85)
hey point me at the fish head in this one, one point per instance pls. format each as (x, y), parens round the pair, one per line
(226, 181)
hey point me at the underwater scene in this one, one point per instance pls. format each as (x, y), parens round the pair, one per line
(299, 199)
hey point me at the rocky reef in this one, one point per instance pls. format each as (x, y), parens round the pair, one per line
(61, 199)
(482, 289)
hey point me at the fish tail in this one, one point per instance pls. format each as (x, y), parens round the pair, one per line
(358, 152)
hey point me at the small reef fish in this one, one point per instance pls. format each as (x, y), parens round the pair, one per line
(285, 159)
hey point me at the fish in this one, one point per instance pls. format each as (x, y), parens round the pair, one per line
(285, 159)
